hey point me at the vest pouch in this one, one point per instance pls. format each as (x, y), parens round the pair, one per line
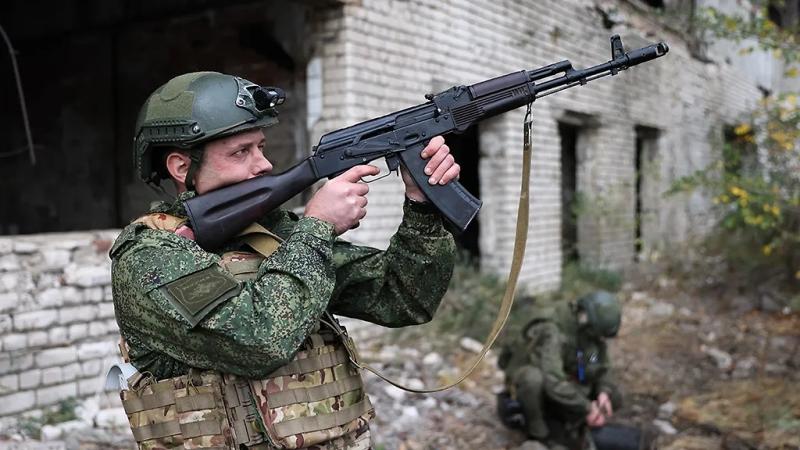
(178, 413)
(316, 398)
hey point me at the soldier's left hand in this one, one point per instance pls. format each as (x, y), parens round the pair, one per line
(441, 168)
(595, 418)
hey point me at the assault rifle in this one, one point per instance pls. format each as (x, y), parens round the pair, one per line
(400, 137)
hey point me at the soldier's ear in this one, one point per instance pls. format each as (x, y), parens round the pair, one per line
(177, 163)
(583, 318)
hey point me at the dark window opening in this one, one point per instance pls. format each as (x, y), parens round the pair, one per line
(739, 153)
(784, 14)
(465, 149)
(655, 3)
(774, 15)
(646, 141)
(569, 192)
(83, 119)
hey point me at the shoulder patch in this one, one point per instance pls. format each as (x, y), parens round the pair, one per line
(196, 294)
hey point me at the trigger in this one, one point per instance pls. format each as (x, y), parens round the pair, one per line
(393, 162)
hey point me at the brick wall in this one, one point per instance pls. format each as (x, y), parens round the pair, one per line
(57, 329)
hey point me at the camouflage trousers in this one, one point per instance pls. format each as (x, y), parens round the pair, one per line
(544, 421)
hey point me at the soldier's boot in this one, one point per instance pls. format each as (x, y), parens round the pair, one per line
(528, 383)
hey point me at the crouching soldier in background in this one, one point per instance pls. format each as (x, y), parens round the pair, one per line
(556, 372)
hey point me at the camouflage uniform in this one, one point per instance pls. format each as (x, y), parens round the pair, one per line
(256, 327)
(555, 369)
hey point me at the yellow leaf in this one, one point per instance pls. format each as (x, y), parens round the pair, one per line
(742, 129)
(791, 72)
(767, 250)
(797, 275)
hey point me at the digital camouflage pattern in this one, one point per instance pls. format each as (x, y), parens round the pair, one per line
(278, 303)
(258, 330)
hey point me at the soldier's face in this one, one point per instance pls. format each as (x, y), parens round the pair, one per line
(232, 159)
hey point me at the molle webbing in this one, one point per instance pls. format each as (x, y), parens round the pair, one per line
(242, 412)
(319, 395)
(313, 363)
(186, 411)
(316, 393)
(171, 428)
(324, 421)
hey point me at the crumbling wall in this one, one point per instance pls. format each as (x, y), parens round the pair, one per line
(388, 54)
(58, 335)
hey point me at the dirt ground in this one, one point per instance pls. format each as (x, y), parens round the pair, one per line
(726, 371)
(700, 371)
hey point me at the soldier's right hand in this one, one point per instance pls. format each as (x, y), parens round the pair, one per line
(595, 418)
(342, 201)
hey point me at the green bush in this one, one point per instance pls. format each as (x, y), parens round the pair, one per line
(63, 412)
(755, 182)
(472, 301)
(755, 190)
(470, 305)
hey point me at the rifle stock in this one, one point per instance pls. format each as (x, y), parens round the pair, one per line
(218, 215)
(400, 137)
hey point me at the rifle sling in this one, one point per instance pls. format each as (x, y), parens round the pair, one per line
(520, 240)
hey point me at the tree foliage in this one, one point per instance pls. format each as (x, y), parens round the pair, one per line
(771, 24)
(755, 182)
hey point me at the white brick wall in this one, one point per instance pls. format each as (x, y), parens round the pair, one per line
(381, 56)
(57, 327)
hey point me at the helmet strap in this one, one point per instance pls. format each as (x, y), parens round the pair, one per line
(196, 159)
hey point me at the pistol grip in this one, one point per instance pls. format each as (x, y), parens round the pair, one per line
(455, 203)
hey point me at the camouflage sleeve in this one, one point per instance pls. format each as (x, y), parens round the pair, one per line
(546, 342)
(251, 333)
(402, 285)
(606, 383)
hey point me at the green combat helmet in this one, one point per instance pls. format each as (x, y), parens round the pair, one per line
(194, 108)
(603, 313)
